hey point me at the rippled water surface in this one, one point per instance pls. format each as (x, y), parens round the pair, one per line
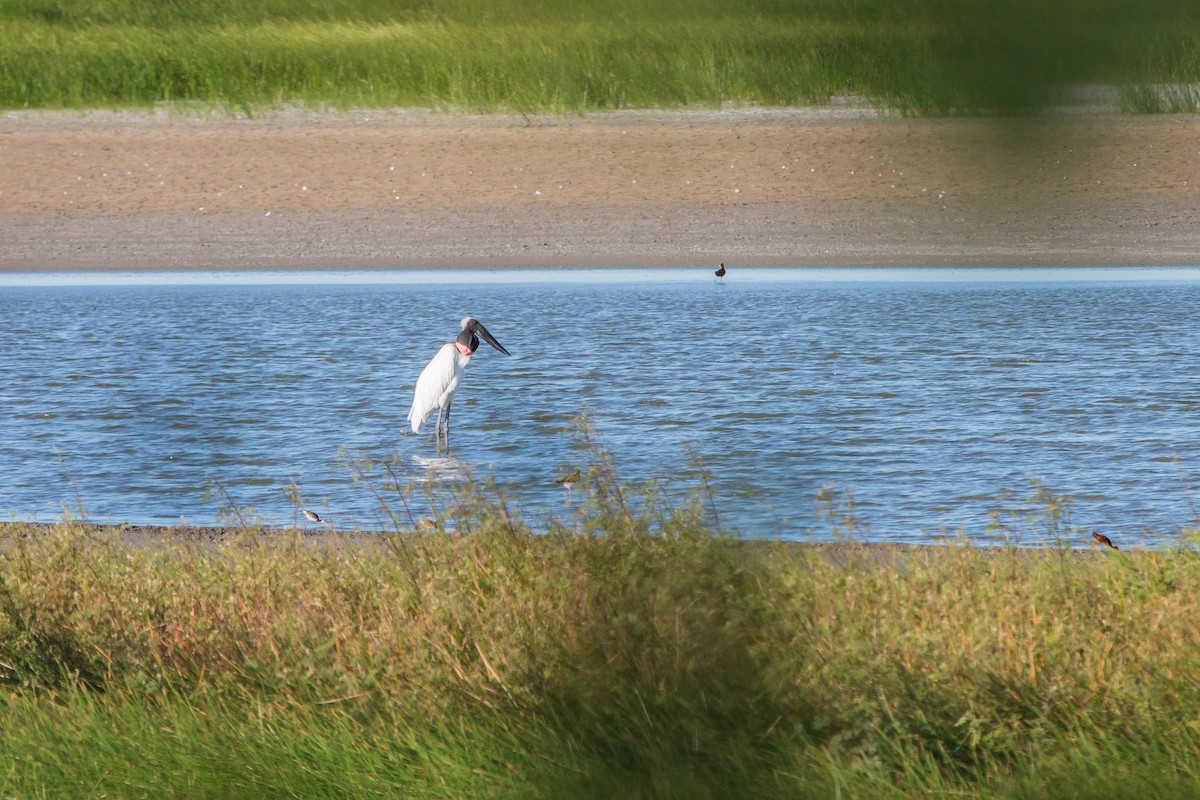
(933, 398)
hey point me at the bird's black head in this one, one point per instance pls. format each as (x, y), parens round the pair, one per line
(468, 340)
(472, 330)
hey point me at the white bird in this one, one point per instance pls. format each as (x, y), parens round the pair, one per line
(441, 376)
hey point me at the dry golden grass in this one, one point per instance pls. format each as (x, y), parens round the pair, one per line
(630, 647)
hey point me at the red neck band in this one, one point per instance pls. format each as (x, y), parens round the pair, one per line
(462, 348)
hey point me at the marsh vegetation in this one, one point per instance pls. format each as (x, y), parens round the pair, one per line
(633, 649)
(918, 56)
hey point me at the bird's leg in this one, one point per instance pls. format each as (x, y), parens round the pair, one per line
(448, 402)
(437, 433)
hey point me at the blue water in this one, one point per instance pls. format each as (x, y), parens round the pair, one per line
(931, 398)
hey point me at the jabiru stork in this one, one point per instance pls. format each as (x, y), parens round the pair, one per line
(441, 376)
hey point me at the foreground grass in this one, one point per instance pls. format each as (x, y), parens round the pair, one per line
(917, 56)
(631, 651)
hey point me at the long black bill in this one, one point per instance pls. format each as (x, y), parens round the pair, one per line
(487, 337)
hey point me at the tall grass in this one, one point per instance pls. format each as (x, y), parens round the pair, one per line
(916, 56)
(631, 651)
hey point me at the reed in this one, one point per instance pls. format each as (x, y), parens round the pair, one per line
(630, 650)
(920, 56)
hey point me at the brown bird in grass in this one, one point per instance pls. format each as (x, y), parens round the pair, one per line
(1104, 540)
(720, 273)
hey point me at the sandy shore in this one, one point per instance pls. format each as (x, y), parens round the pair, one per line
(397, 189)
(319, 537)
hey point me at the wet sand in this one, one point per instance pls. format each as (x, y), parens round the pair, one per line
(141, 191)
(319, 537)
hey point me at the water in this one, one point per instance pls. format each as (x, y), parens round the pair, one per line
(933, 397)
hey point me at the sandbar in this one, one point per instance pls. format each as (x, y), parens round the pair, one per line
(385, 189)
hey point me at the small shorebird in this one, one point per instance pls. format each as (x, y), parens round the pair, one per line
(720, 273)
(311, 516)
(1104, 540)
(568, 480)
(441, 376)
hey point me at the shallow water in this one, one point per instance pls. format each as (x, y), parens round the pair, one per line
(932, 397)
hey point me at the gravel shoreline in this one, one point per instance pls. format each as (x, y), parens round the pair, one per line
(353, 190)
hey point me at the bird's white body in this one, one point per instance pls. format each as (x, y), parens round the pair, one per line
(437, 384)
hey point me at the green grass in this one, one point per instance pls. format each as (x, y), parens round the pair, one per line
(914, 56)
(631, 651)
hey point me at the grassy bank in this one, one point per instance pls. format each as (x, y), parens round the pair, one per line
(631, 651)
(918, 56)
